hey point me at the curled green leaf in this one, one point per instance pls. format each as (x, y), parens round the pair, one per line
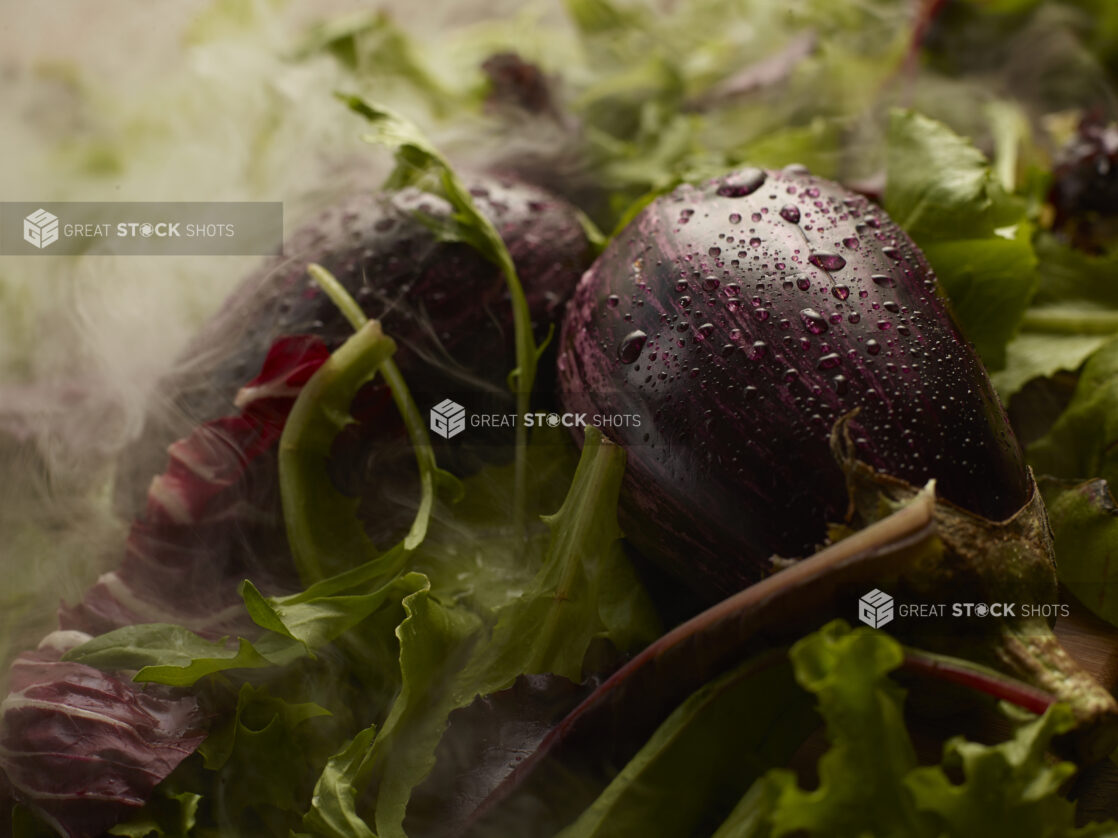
(333, 812)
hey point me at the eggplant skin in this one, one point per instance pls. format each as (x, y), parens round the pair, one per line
(739, 319)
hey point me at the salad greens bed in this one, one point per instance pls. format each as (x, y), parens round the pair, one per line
(348, 702)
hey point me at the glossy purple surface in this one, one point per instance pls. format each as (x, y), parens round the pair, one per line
(758, 327)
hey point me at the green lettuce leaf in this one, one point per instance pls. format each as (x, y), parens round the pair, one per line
(862, 777)
(257, 780)
(315, 620)
(167, 815)
(296, 626)
(583, 590)
(1081, 442)
(170, 654)
(1074, 312)
(1037, 354)
(939, 185)
(333, 812)
(586, 587)
(473, 554)
(434, 641)
(945, 194)
(869, 780)
(1084, 523)
(718, 741)
(257, 712)
(1010, 788)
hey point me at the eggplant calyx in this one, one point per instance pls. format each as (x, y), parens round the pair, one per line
(991, 580)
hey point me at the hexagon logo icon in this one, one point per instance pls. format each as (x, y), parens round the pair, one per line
(875, 609)
(40, 228)
(448, 419)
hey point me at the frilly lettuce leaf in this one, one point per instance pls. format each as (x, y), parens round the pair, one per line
(584, 589)
(869, 780)
(1010, 788)
(861, 778)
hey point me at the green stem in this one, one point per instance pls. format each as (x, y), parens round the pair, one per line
(525, 378)
(338, 296)
(421, 443)
(319, 522)
(405, 404)
(1074, 323)
(417, 157)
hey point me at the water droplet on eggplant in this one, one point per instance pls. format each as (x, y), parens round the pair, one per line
(630, 347)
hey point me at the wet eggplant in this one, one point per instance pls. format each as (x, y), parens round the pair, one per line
(740, 319)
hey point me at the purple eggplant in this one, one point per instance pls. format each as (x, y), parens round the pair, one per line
(741, 319)
(446, 307)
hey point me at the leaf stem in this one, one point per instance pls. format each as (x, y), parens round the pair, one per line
(405, 404)
(417, 157)
(338, 296)
(969, 674)
(320, 525)
(523, 377)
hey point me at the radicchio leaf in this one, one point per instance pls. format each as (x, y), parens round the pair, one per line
(82, 747)
(185, 556)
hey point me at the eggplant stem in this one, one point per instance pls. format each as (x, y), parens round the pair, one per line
(1030, 650)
